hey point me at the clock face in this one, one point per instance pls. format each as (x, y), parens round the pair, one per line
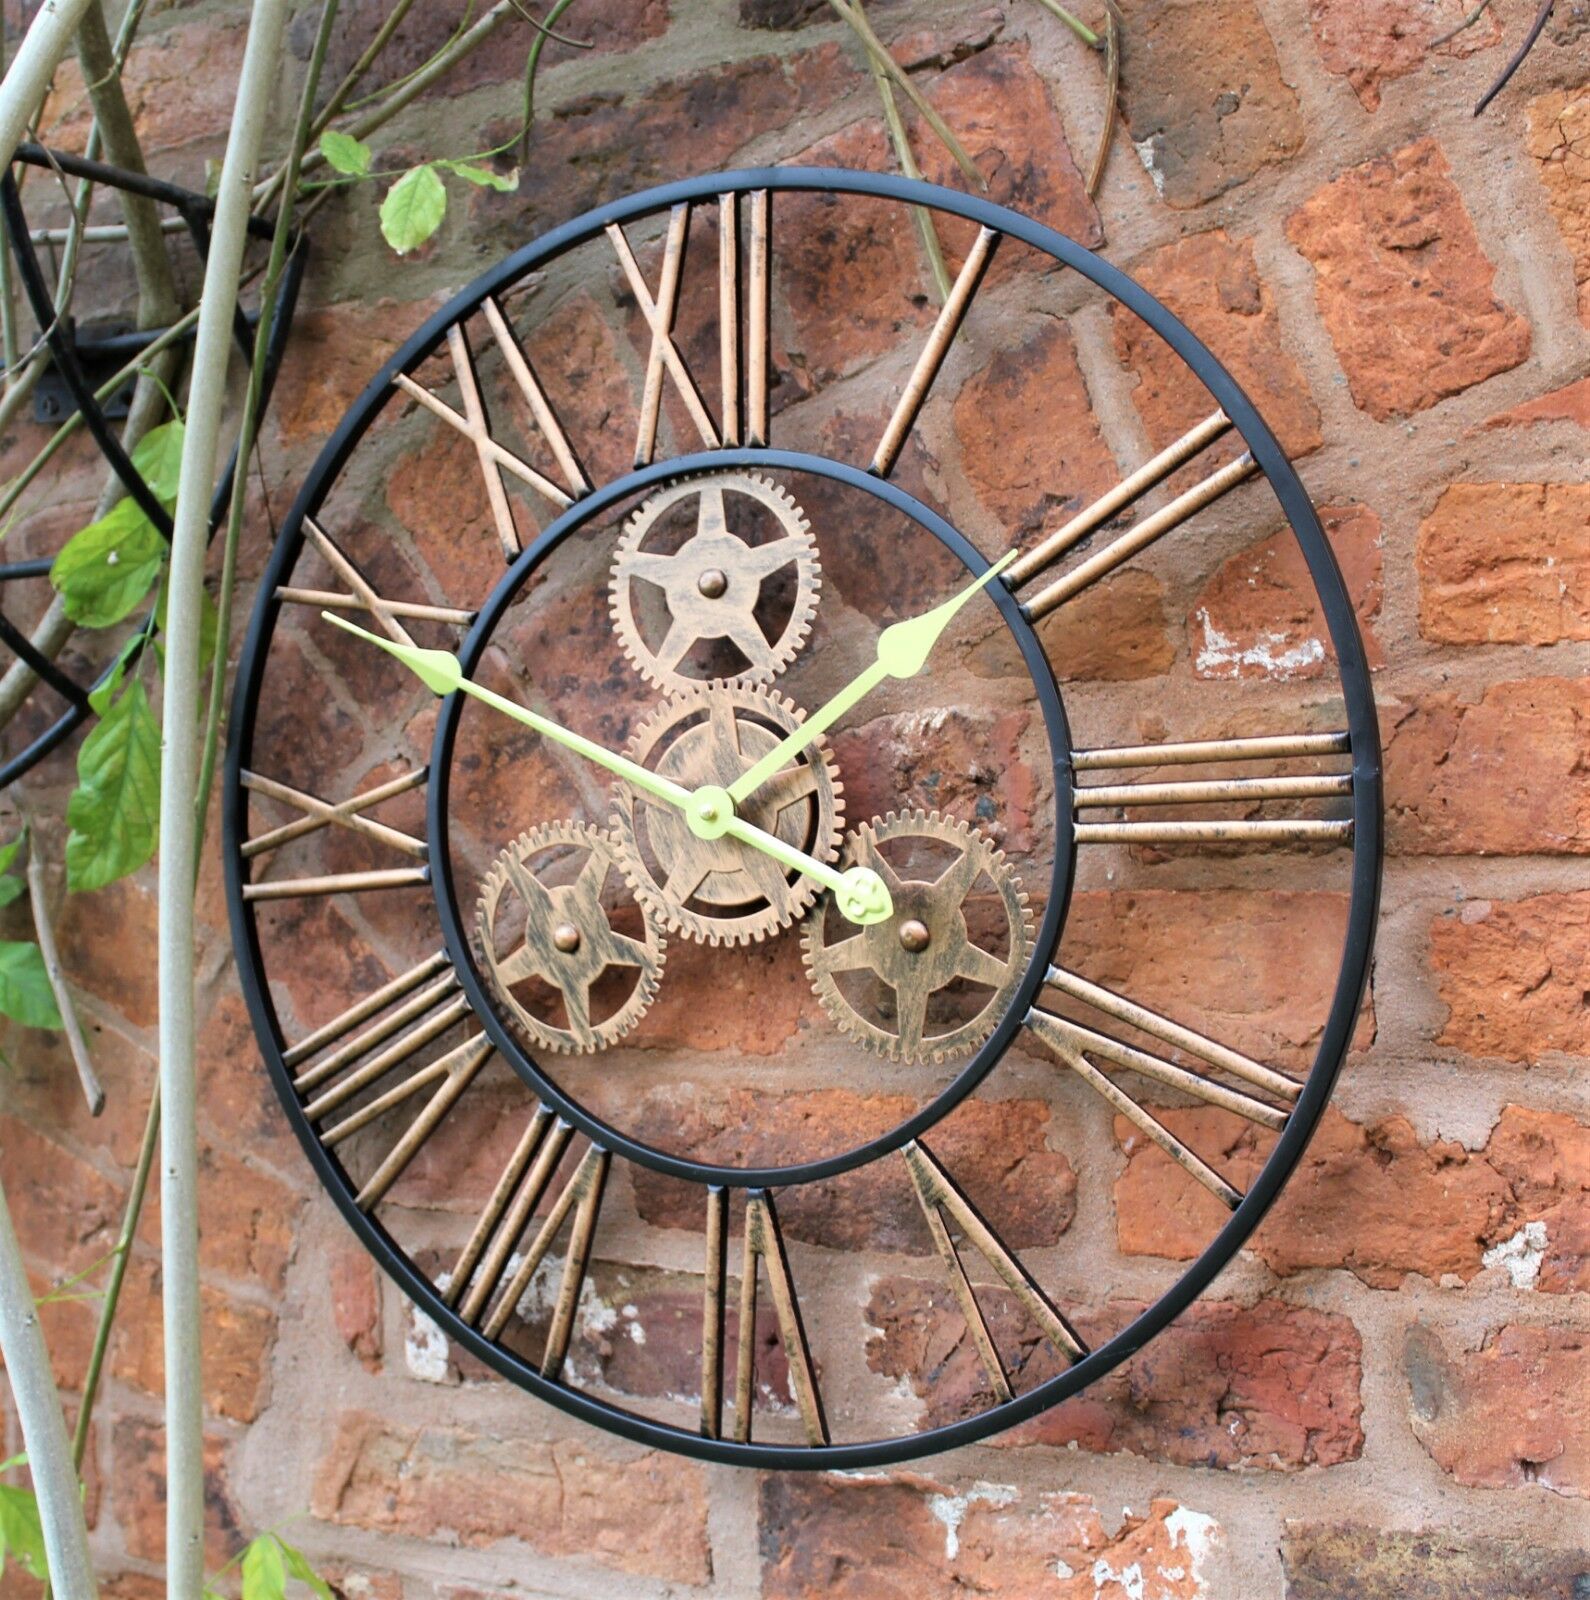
(686, 927)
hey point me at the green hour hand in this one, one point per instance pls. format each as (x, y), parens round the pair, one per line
(903, 649)
(859, 893)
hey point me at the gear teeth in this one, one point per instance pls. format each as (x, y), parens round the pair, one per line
(795, 524)
(752, 927)
(538, 1033)
(917, 823)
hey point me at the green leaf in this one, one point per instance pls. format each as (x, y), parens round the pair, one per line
(413, 209)
(158, 455)
(107, 568)
(8, 854)
(25, 993)
(264, 1576)
(10, 888)
(21, 1532)
(298, 1566)
(99, 699)
(483, 177)
(345, 153)
(114, 812)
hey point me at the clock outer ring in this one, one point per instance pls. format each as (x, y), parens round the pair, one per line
(1368, 841)
(456, 936)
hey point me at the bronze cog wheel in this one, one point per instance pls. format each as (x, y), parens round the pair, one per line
(926, 953)
(717, 585)
(568, 940)
(721, 891)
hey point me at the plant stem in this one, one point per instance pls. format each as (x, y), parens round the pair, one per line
(178, 1068)
(532, 62)
(1112, 77)
(27, 80)
(302, 132)
(118, 1273)
(43, 1428)
(1075, 24)
(895, 123)
(44, 931)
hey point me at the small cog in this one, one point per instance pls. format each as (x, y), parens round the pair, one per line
(900, 988)
(716, 586)
(568, 941)
(721, 891)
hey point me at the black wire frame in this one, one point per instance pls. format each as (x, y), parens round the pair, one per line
(1365, 878)
(195, 210)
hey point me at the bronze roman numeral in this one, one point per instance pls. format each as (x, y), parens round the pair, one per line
(1214, 791)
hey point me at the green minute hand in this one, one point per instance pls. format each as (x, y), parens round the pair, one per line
(903, 649)
(859, 893)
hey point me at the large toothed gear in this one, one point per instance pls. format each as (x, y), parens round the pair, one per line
(721, 891)
(568, 939)
(882, 985)
(717, 585)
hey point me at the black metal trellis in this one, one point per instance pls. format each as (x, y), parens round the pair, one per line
(195, 211)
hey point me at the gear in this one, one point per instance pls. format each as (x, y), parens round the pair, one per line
(722, 891)
(925, 951)
(717, 586)
(569, 940)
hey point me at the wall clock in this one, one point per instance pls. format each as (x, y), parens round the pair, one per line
(614, 923)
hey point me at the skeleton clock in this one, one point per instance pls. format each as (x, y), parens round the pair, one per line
(659, 846)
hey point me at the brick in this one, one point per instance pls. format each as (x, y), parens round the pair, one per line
(237, 1342)
(1509, 1413)
(937, 1541)
(355, 1288)
(1265, 1386)
(1025, 473)
(1506, 563)
(1206, 105)
(321, 963)
(107, 941)
(172, 104)
(755, 1000)
(298, 721)
(1211, 282)
(1338, 1561)
(1376, 1201)
(333, 353)
(1392, 246)
(247, 1221)
(997, 1150)
(1260, 617)
(1005, 118)
(500, 59)
(64, 1212)
(1372, 42)
(640, 1514)
(1558, 124)
(1501, 775)
(1571, 403)
(1153, 945)
(967, 764)
(236, 1100)
(1513, 976)
(138, 1494)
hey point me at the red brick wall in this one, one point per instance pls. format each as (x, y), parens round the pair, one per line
(1388, 1395)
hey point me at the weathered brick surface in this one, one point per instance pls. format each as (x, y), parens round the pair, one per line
(1268, 1386)
(1377, 1200)
(1509, 1413)
(1393, 247)
(1558, 123)
(1506, 563)
(642, 1514)
(1206, 104)
(1260, 617)
(1513, 975)
(1328, 1562)
(1372, 42)
(1501, 775)
(1211, 281)
(931, 1539)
